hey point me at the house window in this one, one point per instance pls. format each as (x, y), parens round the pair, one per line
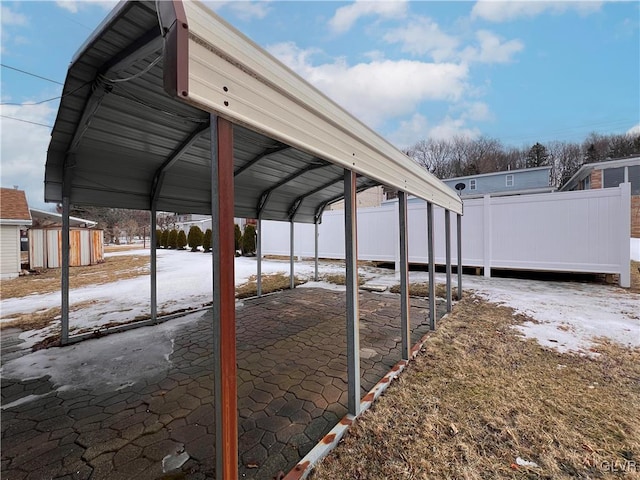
(472, 184)
(509, 181)
(587, 183)
(613, 177)
(634, 179)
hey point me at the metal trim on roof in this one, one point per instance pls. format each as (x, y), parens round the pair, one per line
(231, 75)
(129, 128)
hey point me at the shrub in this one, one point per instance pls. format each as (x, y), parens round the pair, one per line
(164, 239)
(249, 240)
(181, 241)
(158, 238)
(194, 239)
(238, 236)
(206, 241)
(173, 239)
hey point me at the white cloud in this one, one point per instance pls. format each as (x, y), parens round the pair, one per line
(423, 36)
(491, 49)
(410, 131)
(74, 6)
(24, 149)
(11, 17)
(346, 16)
(381, 89)
(477, 112)
(244, 10)
(635, 130)
(501, 11)
(453, 127)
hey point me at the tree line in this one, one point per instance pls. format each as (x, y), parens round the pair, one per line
(462, 156)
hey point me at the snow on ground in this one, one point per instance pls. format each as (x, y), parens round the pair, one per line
(109, 363)
(566, 315)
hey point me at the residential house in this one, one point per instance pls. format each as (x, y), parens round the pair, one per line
(509, 182)
(14, 216)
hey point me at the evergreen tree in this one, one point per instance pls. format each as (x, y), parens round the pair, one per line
(206, 241)
(194, 239)
(164, 239)
(537, 156)
(173, 239)
(249, 240)
(158, 238)
(181, 241)
(237, 236)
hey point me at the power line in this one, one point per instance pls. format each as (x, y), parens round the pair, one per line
(26, 121)
(48, 99)
(29, 73)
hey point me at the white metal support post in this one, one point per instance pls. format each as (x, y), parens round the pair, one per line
(351, 281)
(459, 235)
(292, 281)
(64, 287)
(447, 239)
(153, 264)
(259, 259)
(405, 321)
(315, 236)
(432, 268)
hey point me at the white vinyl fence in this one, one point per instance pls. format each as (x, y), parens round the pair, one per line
(581, 231)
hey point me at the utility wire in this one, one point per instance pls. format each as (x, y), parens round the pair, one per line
(26, 121)
(48, 99)
(29, 73)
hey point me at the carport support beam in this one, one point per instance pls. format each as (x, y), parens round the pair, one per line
(153, 263)
(224, 315)
(315, 237)
(459, 237)
(64, 287)
(447, 240)
(259, 260)
(292, 281)
(432, 267)
(405, 322)
(351, 281)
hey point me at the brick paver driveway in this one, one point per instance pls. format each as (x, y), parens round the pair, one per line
(291, 391)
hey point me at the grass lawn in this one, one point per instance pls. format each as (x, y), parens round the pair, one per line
(479, 396)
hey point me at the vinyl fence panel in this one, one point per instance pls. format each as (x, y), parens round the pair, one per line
(580, 231)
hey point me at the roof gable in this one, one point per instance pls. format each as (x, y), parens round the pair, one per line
(14, 206)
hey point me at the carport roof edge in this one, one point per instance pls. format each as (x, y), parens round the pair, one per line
(204, 66)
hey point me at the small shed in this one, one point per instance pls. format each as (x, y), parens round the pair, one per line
(14, 216)
(45, 241)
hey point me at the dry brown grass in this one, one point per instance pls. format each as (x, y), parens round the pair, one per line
(422, 290)
(42, 318)
(270, 283)
(48, 281)
(635, 276)
(340, 279)
(480, 396)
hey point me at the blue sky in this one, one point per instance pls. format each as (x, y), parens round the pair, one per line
(520, 72)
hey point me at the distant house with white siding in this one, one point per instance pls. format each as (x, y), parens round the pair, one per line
(510, 182)
(14, 216)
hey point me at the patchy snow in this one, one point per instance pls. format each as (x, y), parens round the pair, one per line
(111, 362)
(566, 315)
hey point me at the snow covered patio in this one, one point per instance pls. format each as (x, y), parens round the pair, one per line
(140, 403)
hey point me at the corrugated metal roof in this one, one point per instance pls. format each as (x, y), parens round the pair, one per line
(133, 126)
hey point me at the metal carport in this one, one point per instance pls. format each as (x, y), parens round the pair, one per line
(167, 107)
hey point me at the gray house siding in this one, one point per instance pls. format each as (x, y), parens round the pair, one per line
(520, 180)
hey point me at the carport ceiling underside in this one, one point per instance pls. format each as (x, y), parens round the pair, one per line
(133, 128)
